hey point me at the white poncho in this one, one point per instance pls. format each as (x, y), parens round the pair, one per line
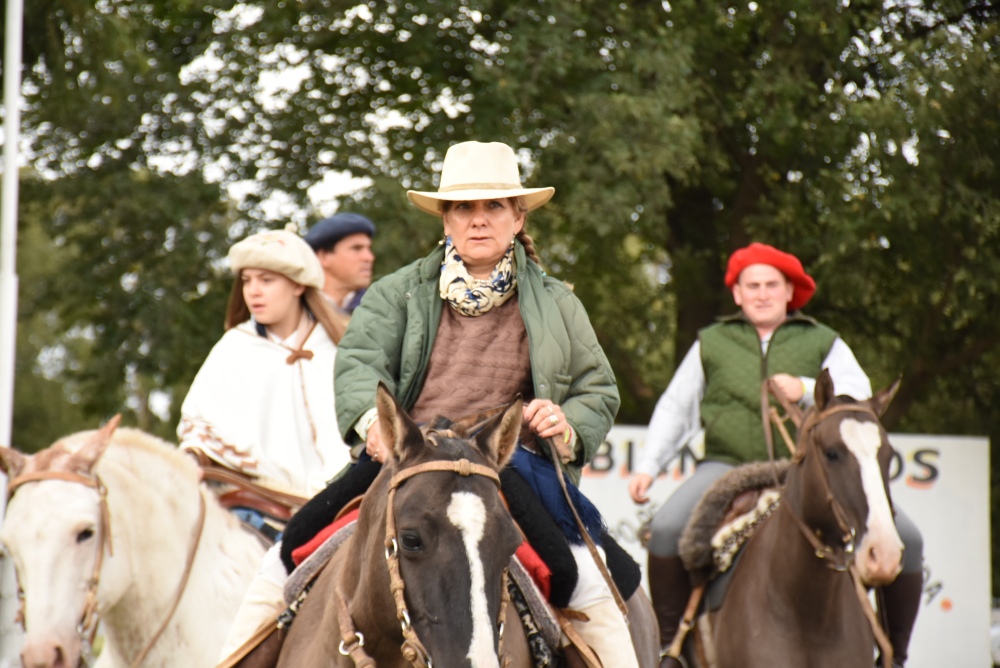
(252, 410)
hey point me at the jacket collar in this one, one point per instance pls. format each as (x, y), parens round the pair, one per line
(794, 316)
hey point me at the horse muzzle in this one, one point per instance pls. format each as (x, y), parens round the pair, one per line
(49, 652)
(879, 560)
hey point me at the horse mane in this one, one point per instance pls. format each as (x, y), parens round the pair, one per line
(129, 444)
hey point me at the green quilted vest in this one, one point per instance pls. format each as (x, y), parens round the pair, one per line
(734, 370)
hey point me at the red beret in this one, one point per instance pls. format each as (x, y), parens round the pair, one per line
(786, 263)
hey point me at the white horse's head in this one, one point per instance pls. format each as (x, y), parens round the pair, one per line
(118, 523)
(53, 530)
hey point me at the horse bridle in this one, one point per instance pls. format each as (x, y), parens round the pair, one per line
(413, 649)
(806, 426)
(848, 533)
(90, 615)
(823, 550)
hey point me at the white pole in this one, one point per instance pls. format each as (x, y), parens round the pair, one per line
(10, 638)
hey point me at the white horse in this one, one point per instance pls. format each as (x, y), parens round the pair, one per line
(115, 526)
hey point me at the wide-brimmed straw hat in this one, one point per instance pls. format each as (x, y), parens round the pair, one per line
(280, 251)
(475, 170)
(789, 265)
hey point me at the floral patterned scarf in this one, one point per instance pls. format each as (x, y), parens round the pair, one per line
(473, 296)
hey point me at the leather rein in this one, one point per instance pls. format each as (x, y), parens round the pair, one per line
(413, 650)
(845, 562)
(90, 615)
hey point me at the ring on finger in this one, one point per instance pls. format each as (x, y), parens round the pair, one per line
(553, 419)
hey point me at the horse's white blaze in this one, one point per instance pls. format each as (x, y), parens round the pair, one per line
(467, 512)
(881, 548)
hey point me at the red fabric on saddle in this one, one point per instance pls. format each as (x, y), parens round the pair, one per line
(536, 568)
(300, 553)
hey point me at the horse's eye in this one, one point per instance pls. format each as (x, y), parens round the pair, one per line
(410, 541)
(832, 456)
(84, 535)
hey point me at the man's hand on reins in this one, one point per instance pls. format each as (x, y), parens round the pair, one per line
(790, 386)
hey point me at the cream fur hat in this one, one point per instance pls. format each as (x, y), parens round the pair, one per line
(475, 170)
(280, 251)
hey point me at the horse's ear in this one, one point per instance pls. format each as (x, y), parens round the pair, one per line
(883, 398)
(824, 390)
(12, 462)
(498, 438)
(398, 429)
(90, 452)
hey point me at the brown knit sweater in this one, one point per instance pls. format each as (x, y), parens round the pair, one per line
(477, 363)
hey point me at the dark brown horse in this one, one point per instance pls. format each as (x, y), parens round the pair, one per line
(430, 548)
(793, 600)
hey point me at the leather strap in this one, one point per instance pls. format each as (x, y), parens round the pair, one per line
(590, 659)
(687, 622)
(866, 605)
(601, 566)
(192, 551)
(211, 470)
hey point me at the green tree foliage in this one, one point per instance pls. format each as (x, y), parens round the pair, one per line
(860, 135)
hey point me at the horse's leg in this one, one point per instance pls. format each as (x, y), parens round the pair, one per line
(644, 631)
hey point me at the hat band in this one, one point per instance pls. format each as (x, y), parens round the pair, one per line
(480, 186)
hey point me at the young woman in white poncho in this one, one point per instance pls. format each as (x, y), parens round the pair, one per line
(262, 402)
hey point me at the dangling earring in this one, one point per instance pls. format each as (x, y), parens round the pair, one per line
(512, 241)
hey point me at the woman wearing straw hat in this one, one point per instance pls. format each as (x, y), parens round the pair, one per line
(472, 325)
(466, 329)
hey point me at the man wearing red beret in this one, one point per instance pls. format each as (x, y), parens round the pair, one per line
(718, 384)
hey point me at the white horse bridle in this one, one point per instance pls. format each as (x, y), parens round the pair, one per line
(86, 628)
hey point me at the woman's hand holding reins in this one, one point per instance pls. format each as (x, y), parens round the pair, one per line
(547, 419)
(374, 446)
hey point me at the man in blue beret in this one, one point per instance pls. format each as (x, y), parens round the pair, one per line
(343, 244)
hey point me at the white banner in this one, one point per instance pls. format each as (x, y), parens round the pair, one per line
(942, 482)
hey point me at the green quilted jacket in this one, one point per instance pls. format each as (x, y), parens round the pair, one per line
(391, 335)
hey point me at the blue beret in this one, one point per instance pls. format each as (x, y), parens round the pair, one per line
(329, 231)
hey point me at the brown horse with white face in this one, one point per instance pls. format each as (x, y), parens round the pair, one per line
(422, 580)
(792, 600)
(433, 529)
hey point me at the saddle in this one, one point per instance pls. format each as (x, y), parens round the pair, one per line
(237, 490)
(726, 516)
(722, 522)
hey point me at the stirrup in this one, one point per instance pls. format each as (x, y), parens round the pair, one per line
(665, 652)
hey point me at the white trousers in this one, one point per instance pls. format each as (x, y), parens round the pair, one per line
(262, 603)
(606, 630)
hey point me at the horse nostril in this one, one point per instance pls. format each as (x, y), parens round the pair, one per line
(43, 655)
